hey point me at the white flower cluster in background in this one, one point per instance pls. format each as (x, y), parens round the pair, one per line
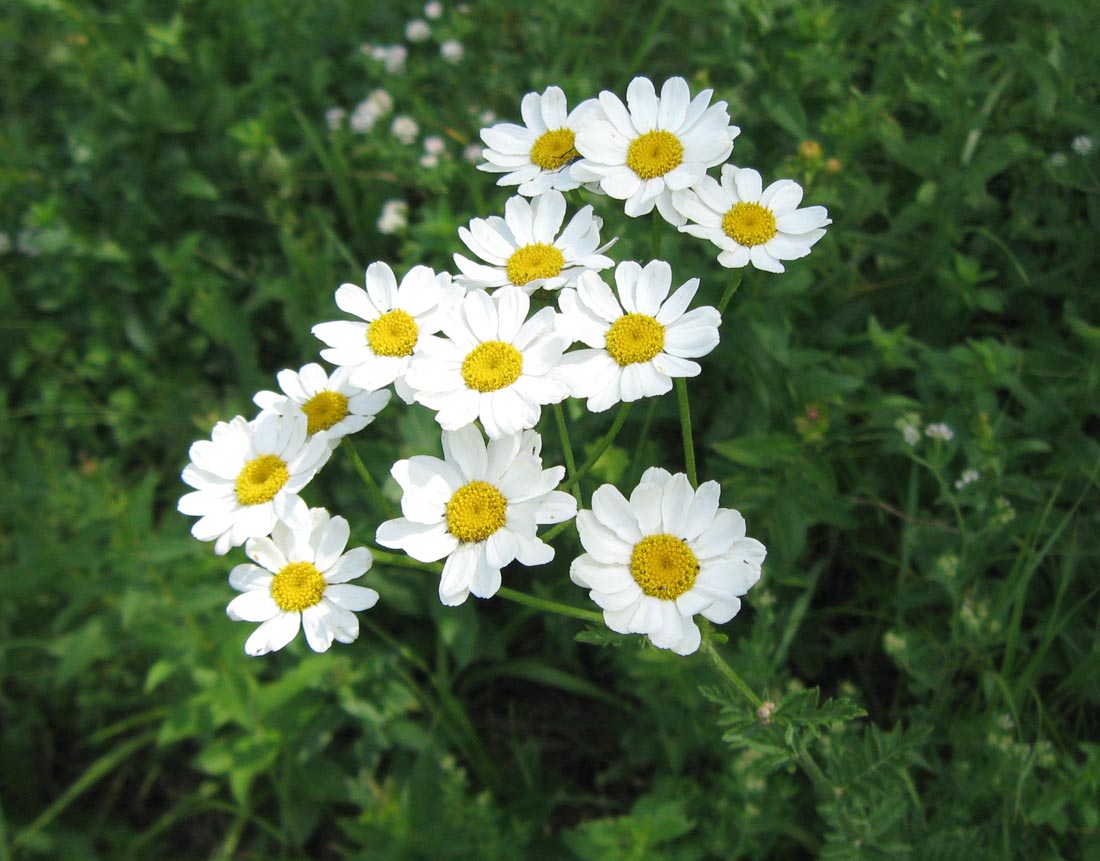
(536, 313)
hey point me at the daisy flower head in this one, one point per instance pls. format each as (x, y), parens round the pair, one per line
(331, 404)
(528, 247)
(639, 340)
(493, 364)
(749, 223)
(536, 155)
(652, 562)
(247, 477)
(648, 148)
(479, 507)
(393, 319)
(300, 580)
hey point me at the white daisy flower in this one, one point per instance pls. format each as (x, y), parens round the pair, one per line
(643, 151)
(529, 249)
(480, 507)
(640, 340)
(668, 553)
(248, 475)
(750, 224)
(396, 319)
(300, 580)
(492, 365)
(536, 156)
(332, 405)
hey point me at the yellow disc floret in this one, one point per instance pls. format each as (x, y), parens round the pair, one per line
(654, 154)
(635, 338)
(324, 410)
(663, 566)
(393, 334)
(261, 479)
(492, 365)
(297, 586)
(475, 511)
(534, 261)
(749, 224)
(554, 149)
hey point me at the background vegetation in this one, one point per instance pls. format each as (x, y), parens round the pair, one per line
(176, 215)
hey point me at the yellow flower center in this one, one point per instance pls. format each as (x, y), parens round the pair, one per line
(635, 338)
(654, 154)
(554, 149)
(261, 479)
(534, 261)
(324, 410)
(297, 586)
(749, 224)
(393, 334)
(491, 366)
(475, 511)
(663, 566)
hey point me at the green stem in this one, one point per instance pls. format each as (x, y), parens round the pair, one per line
(731, 288)
(567, 450)
(655, 240)
(727, 672)
(379, 500)
(600, 448)
(685, 430)
(400, 560)
(549, 606)
(550, 534)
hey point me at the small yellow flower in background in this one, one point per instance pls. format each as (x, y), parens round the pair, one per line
(479, 507)
(248, 475)
(300, 581)
(749, 223)
(667, 553)
(529, 249)
(648, 148)
(810, 150)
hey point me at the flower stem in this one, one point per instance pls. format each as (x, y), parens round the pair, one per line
(685, 430)
(727, 672)
(600, 448)
(400, 560)
(731, 288)
(549, 606)
(378, 498)
(567, 450)
(655, 245)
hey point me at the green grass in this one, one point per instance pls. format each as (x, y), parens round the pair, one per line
(178, 216)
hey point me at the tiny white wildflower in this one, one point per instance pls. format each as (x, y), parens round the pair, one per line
(433, 10)
(335, 117)
(451, 50)
(435, 145)
(969, 476)
(473, 153)
(910, 433)
(394, 217)
(417, 30)
(429, 161)
(1082, 145)
(940, 431)
(1058, 160)
(405, 129)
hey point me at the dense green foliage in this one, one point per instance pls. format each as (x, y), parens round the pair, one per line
(176, 215)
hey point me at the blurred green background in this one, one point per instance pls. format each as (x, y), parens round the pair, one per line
(177, 204)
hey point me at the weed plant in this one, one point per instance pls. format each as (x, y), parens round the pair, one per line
(907, 419)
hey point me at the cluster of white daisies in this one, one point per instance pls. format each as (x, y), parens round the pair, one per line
(468, 347)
